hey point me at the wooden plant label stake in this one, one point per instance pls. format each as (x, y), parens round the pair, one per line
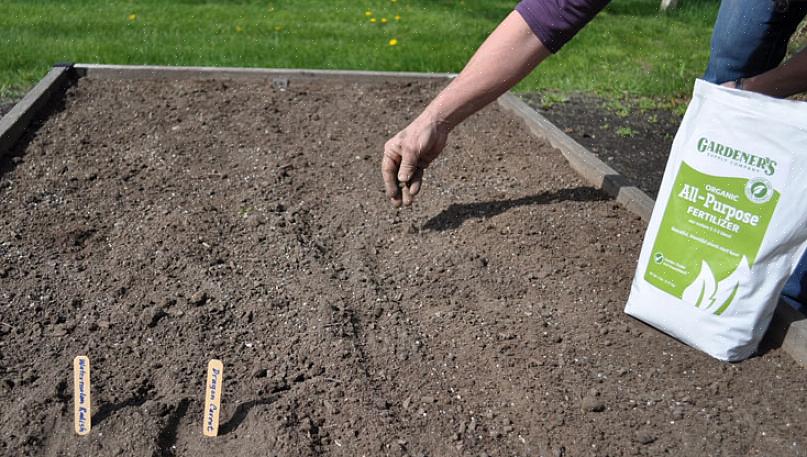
(81, 395)
(213, 388)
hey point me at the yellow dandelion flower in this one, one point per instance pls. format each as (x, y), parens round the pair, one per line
(394, 1)
(384, 20)
(372, 20)
(368, 13)
(397, 18)
(393, 42)
(239, 29)
(132, 17)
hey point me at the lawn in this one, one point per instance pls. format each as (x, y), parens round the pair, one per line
(629, 49)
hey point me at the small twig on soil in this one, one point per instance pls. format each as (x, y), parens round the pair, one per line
(334, 380)
(9, 325)
(334, 324)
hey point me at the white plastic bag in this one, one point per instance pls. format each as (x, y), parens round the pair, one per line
(729, 224)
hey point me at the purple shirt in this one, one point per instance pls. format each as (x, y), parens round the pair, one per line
(555, 22)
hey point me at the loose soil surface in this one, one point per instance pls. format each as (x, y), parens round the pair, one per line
(633, 141)
(155, 225)
(5, 106)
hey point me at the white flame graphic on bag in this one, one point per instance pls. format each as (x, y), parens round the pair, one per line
(706, 293)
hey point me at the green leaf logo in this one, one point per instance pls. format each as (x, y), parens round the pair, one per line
(759, 190)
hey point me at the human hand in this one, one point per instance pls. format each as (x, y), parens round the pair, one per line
(486, 76)
(408, 154)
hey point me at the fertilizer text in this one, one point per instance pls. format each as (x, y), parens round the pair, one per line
(746, 160)
(727, 216)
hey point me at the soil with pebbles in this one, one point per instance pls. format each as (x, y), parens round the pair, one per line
(153, 225)
(633, 141)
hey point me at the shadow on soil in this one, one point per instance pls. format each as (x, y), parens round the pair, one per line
(168, 435)
(241, 413)
(783, 319)
(456, 214)
(108, 409)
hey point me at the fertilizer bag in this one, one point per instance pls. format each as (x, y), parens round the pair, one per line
(729, 224)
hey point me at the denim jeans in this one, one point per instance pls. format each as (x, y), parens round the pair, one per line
(750, 37)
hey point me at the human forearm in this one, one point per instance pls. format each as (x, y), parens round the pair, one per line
(524, 39)
(510, 53)
(783, 81)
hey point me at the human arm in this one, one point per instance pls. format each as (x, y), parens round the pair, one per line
(524, 39)
(508, 54)
(783, 81)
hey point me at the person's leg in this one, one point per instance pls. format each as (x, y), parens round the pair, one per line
(750, 37)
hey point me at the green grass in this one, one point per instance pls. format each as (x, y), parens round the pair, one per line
(632, 49)
(628, 49)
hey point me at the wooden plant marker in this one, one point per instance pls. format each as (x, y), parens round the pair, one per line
(81, 395)
(213, 389)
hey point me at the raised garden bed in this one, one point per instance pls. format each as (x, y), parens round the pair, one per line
(153, 224)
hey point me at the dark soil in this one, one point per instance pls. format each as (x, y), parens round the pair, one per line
(5, 106)
(156, 225)
(633, 141)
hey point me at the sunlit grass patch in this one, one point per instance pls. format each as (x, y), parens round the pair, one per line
(629, 49)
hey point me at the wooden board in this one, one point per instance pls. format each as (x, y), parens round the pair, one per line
(16, 121)
(162, 72)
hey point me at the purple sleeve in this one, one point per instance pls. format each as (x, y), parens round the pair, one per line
(555, 22)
